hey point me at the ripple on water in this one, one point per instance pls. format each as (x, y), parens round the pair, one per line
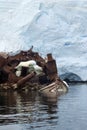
(27, 110)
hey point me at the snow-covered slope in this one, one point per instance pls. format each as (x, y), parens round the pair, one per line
(52, 26)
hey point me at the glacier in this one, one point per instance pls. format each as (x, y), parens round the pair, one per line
(51, 26)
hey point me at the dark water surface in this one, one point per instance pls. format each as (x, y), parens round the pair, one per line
(28, 111)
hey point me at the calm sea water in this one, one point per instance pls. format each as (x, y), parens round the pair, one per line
(29, 111)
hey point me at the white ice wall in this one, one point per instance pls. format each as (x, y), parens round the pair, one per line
(51, 26)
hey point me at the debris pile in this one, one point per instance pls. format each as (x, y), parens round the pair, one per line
(26, 68)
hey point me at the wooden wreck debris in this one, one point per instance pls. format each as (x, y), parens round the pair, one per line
(22, 81)
(12, 77)
(2, 61)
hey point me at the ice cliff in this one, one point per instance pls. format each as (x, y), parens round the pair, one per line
(51, 26)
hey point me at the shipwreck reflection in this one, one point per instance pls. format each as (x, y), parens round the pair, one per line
(26, 107)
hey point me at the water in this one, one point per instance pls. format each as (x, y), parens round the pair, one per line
(29, 111)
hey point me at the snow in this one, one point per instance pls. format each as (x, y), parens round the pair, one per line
(51, 26)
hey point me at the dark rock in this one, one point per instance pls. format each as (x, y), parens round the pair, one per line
(70, 77)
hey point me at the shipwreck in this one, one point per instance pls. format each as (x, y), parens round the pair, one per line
(28, 70)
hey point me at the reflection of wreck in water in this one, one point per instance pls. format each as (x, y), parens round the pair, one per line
(28, 69)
